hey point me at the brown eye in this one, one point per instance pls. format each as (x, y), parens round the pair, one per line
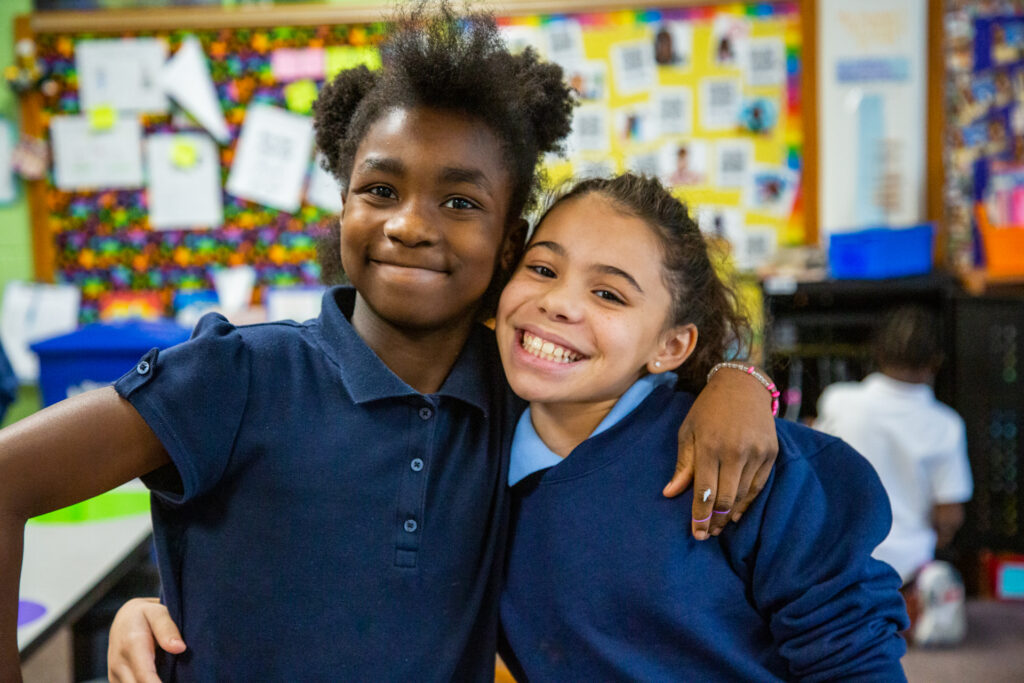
(609, 296)
(460, 203)
(382, 191)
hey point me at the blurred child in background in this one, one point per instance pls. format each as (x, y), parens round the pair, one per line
(918, 446)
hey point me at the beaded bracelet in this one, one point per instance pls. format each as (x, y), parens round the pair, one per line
(752, 371)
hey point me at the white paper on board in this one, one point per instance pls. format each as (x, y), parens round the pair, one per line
(759, 246)
(323, 190)
(732, 167)
(771, 189)
(635, 124)
(590, 132)
(589, 79)
(183, 196)
(594, 168)
(32, 312)
(684, 163)
(121, 73)
(766, 62)
(234, 287)
(294, 303)
(730, 35)
(8, 188)
(518, 38)
(673, 107)
(645, 163)
(272, 157)
(720, 102)
(84, 158)
(673, 44)
(722, 222)
(186, 79)
(633, 67)
(564, 42)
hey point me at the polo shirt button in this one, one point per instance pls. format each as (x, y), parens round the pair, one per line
(416, 465)
(426, 413)
(410, 525)
(143, 367)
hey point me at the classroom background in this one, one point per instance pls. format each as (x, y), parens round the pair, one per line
(848, 156)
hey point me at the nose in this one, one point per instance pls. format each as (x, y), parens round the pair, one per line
(561, 302)
(411, 226)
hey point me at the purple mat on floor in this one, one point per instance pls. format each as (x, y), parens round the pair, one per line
(29, 611)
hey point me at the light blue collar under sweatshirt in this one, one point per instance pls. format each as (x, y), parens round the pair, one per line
(530, 454)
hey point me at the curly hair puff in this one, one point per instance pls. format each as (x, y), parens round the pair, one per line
(699, 296)
(436, 57)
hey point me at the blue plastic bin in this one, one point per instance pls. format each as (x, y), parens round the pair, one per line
(878, 253)
(97, 354)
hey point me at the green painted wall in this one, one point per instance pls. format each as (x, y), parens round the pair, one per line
(15, 231)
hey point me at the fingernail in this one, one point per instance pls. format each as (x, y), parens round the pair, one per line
(177, 641)
(736, 516)
(700, 535)
(716, 532)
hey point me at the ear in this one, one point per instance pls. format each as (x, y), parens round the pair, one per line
(512, 247)
(674, 347)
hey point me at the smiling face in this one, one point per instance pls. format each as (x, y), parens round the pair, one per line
(586, 313)
(424, 217)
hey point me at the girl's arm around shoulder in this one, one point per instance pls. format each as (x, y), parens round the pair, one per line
(63, 454)
(835, 612)
(727, 448)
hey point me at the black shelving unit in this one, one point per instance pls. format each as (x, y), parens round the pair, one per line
(989, 333)
(820, 333)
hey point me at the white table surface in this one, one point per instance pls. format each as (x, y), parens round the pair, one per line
(64, 563)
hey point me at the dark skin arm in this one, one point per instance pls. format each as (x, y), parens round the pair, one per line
(727, 443)
(63, 454)
(947, 518)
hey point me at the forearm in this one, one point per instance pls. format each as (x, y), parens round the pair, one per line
(11, 543)
(947, 518)
(66, 453)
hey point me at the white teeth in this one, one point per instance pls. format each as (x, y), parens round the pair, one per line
(536, 346)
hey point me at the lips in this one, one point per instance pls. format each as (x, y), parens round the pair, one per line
(409, 265)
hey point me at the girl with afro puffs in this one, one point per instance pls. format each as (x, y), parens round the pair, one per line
(330, 498)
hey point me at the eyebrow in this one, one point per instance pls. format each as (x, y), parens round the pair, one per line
(601, 267)
(448, 174)
(473, 176)
(383, 164)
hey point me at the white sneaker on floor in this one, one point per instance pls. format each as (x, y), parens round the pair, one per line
(942, 618)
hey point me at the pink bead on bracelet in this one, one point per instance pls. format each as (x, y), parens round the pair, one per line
(752, 371)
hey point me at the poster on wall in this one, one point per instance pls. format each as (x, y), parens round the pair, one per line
(872, 101)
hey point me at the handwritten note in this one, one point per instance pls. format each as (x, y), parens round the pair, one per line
(272, 157)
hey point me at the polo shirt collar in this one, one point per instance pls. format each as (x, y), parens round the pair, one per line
(367, 378)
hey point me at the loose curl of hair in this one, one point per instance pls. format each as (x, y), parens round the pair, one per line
(699, 295)
(438, 58)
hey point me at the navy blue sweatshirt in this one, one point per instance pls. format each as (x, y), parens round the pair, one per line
(605, 581)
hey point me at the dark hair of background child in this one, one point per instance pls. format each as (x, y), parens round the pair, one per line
(909, 339)
(438, 58)
(699, 296)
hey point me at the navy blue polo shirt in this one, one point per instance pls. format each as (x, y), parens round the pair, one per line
(322, 520)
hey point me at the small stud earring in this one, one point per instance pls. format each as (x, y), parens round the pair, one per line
(657, 363)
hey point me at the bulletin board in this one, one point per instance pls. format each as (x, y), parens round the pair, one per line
(727, 90)
(983, 65)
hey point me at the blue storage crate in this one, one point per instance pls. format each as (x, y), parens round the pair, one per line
(97, 354)
(878, 253)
